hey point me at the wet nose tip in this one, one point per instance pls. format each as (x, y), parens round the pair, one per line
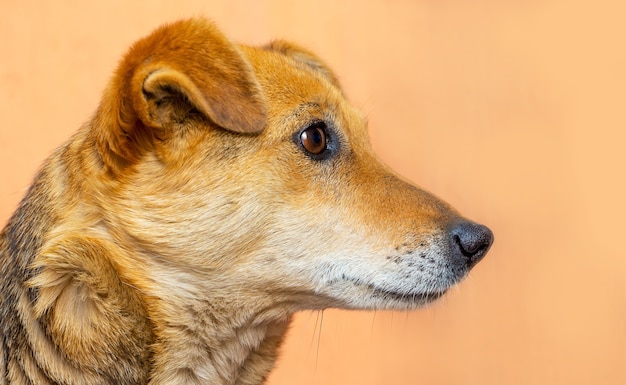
(471, 241)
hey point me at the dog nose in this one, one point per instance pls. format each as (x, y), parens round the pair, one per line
(470, 242)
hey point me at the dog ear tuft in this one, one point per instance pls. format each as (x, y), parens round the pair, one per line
(180, 70)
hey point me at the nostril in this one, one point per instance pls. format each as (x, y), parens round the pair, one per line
(471, 245)
(472, 241)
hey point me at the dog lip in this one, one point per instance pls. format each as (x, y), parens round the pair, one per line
(423, 297)
(408, 297)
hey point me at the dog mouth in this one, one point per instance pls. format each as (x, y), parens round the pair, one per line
(419, 297)
(406, 297)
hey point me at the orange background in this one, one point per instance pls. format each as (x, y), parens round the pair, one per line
(513, 111)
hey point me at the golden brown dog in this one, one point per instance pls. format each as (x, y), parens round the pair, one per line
(217, 190)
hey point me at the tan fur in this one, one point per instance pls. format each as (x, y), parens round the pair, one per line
(172, 238)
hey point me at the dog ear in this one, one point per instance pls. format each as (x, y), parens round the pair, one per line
(180, 71)
(303, 55)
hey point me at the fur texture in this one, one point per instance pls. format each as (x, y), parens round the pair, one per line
(170, 240)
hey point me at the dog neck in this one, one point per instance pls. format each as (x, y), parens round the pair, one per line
(168, 326)
(212, 336)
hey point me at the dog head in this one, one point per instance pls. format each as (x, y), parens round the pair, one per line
(229, 168)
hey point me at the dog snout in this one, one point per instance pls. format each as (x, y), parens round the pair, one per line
(470, 242)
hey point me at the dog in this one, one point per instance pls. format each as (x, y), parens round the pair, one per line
(217, 190)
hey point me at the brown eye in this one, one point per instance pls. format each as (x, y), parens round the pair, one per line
(313, 140)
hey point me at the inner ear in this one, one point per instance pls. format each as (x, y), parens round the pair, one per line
(169, 97)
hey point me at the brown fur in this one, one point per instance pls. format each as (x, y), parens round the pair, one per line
(172, 237)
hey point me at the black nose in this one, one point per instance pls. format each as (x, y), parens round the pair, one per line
(470, 242)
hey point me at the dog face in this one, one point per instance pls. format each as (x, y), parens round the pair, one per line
(245, 170)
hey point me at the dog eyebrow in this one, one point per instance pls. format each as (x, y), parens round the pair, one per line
(310, 105)
(306, 107)
(308, 111)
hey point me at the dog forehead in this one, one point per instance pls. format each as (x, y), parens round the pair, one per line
(296, 92)
(286, 81)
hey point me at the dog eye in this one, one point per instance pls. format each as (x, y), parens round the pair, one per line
(313, 139)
